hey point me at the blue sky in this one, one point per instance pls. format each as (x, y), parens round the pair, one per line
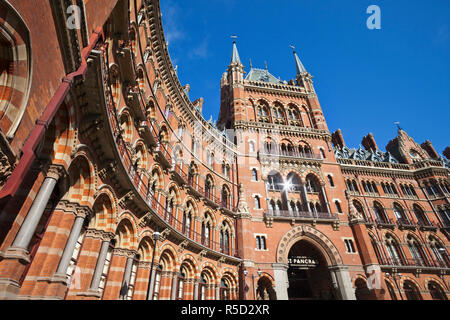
(365, 79)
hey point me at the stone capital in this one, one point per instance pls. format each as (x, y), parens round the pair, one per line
(125, 252)
(99, 234)
(55, 172)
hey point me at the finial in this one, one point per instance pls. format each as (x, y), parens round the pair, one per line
(267, 68)
(234, 37)
(293, 48)
(398, 125)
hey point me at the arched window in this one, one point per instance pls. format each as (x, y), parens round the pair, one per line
(338, 206)
(400, 214)
(380, 213)
(416, 251)
(411, 291)
(15, 69)
(225, 238)
(254, 175)
(225, 197)
(360, 209)
(206, 230)
(393, 251)
(209, 187)
(157, 285)
(420, 215)
(202, 287)
(275, 182)
(187, 219)
(311, 185)
(436, 291)
(252, 146)
(257, 203)
(439, 252)
(391, 291)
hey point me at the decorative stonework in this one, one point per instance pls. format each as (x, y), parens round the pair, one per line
(183, 246)
(296, 234)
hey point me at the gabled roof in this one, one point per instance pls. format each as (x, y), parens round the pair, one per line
(261, 75)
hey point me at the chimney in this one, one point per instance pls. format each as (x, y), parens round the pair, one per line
(369, 143)
(428, 147)
(337, 139)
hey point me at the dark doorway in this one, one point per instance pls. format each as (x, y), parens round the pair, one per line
(309, 277)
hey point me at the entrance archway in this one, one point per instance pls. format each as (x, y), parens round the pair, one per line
(308, 273)
(337, 274)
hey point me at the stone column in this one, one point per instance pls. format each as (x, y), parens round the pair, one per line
(100, 264)
(305, 197)
(196, 290)
(173, 295)
(281, 280)
(152, 282)
(326, 199)
(29, 225)
(217, 291)
(126, 278)
(342, 282)
(71, 243)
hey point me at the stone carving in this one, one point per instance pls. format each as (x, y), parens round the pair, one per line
(5, 168)
(242, 204)
(353, 215)
(164, 234)
(145, 220)
(182, 246)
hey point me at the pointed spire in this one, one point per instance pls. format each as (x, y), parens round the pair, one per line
(235, 57)
(299, 65)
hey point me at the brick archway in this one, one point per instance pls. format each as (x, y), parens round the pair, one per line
(314, 236)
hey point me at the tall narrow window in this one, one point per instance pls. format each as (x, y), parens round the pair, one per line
(254, 175)
(330, 180)
(257, 203)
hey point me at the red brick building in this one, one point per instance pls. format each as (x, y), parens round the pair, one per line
(114, 186)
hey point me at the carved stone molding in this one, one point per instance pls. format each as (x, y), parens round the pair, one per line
(165, 234)
(125, 252)
(183, 246)
(202, 254)
(145, 220)
(99, 234)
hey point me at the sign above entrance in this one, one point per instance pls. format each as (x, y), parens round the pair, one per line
(301, 262)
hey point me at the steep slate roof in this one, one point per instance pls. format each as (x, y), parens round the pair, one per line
(361, 154)
(261, 75)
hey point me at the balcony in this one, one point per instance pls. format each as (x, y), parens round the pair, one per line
(178, 174)
(301, 215)
(163, 155)
(211, 199)
(289, 155)
(125, 56)
(405, 224)
(134, 102)
(148, 132)
(385, 223)
(414, 263)
(427, 225)
(194, 188)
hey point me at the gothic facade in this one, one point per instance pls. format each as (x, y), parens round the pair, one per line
(114, 186)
